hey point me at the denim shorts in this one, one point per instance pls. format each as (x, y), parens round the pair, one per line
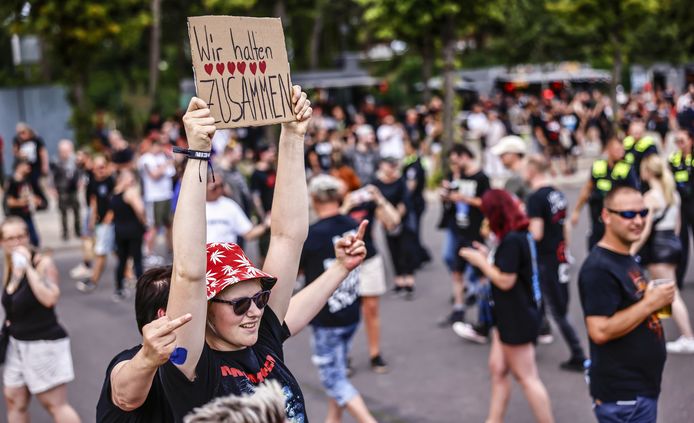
(640, 410)
(331, 346)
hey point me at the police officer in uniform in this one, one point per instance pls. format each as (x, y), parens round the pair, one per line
(638, 145)
(681, 166)
(605, 173)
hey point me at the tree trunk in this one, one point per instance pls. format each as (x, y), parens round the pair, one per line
(154, 51)
(448, 80)
(316, 34)
(427, 68)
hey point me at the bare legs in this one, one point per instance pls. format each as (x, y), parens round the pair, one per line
(372, 323)
(518, 360)
(54, 401)
(356, 407)
(680, 314)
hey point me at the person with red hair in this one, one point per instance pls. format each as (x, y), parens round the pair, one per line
(517, 306)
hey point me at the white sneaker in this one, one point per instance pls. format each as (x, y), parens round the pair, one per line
(545, 339)
(468, 332)
(682, 345)
(81, 272)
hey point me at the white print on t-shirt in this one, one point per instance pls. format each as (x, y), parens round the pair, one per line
(467, 187)
(347, 293)
(28, 151)
(557, 202)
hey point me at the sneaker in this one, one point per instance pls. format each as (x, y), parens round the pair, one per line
(397, 291)
(682, 345)
(119, 296)
(378, 365)
(449, 319)
(85, 286)
(573, 365)
(469, 333)
(409, 293)
(80, 272)
(545, 339)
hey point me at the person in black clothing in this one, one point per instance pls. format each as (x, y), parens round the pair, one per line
(606, 173)
(627, 343)
(402, 240)
(461, 193)
(263, 188)
(30, 147)
(22, 198)
(337, 322)
(681, 167)
(122, 155)
(35, 339)
(546, 208)
(66, 181)
(517, 308)
(415, 181)
(127, 214)
(132, 392)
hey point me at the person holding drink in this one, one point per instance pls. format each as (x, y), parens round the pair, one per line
(659, 246)
(627, 343)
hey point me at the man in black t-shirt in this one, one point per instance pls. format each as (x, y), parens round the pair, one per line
(132, 390)
(462, 193)
(546, 208)
(30, 147)
(627, 343)
(415, 181)
(335, 325)
(22, 197)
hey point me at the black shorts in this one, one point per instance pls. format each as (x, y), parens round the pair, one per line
(662, 247)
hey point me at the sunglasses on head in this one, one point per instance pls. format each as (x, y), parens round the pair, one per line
(629, 214)
(241, 305)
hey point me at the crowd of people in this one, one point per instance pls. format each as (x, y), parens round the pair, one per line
(177, 209)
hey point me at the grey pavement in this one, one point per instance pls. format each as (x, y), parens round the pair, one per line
(434, 376)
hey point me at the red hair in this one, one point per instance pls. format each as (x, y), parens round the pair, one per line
(503, 212)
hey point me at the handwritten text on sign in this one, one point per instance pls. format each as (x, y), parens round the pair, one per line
(241, 69)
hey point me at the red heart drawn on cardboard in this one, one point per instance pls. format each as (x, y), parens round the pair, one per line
(241, 66)
(209, 68)
(253, 66)
(220, 68)
(232, 67)
(262, 65)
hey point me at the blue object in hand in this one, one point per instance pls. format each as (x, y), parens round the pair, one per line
(179, 356)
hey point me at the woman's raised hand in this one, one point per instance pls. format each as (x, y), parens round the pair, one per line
(199, 125)
(302, 112)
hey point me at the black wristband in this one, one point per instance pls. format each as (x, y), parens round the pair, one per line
(197, 155)
(193, 154)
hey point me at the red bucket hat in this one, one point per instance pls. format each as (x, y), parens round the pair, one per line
(227, 265)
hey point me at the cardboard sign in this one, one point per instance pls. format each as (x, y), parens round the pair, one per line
(241, 69)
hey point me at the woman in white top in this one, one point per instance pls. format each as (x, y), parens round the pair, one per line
(659, 245)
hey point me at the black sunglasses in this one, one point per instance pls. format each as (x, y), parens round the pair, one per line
(241, 305)
(629, 214)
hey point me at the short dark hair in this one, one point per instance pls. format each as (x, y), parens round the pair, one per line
(461, 150)
(616, 190)
(151, 294)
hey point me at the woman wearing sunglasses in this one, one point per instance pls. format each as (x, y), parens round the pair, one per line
(517, 308)
(660, 247)
(240, 314)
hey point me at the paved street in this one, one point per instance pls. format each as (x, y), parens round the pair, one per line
(434, 377)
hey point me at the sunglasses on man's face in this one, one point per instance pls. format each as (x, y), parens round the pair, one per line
(629, 214)
(241, 305)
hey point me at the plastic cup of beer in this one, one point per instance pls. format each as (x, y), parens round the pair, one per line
(666, 311)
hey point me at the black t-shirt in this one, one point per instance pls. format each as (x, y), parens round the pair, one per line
(466, 219)
(360, 213)
(342, 308)
(18, 189)
(221, 373)
(263, 183)
(31, 151)
(123, 156)
(155, 409)
(103, 190)
(549, 204)
(517, 314)
(414, 171)
(632, 365)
